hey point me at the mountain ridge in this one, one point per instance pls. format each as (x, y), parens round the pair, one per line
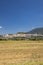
(33, 31)
(36, 31)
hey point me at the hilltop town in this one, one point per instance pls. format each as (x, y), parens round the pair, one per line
(34, 34)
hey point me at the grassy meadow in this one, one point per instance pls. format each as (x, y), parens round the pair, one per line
(21, 52)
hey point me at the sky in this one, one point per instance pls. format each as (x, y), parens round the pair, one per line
(20, 15)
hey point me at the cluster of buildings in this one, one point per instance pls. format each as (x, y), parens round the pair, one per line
(20, 35)
(23, 36)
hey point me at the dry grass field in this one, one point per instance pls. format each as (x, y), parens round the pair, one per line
(21, 52)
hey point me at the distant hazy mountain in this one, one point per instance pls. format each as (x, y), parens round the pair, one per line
(36, 30)
(33, 31)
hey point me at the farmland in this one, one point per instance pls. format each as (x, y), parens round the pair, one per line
(21, 52)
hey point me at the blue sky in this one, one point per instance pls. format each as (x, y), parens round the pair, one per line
(20, 15)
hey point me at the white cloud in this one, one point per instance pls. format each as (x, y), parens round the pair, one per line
(0, 27)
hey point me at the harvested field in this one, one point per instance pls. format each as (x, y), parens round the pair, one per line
(21, 52)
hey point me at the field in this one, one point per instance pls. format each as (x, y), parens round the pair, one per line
(21, 52)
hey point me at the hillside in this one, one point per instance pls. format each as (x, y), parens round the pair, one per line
(33, 31)
(36, 30)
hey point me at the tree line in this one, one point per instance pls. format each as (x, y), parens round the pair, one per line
(24, 38)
